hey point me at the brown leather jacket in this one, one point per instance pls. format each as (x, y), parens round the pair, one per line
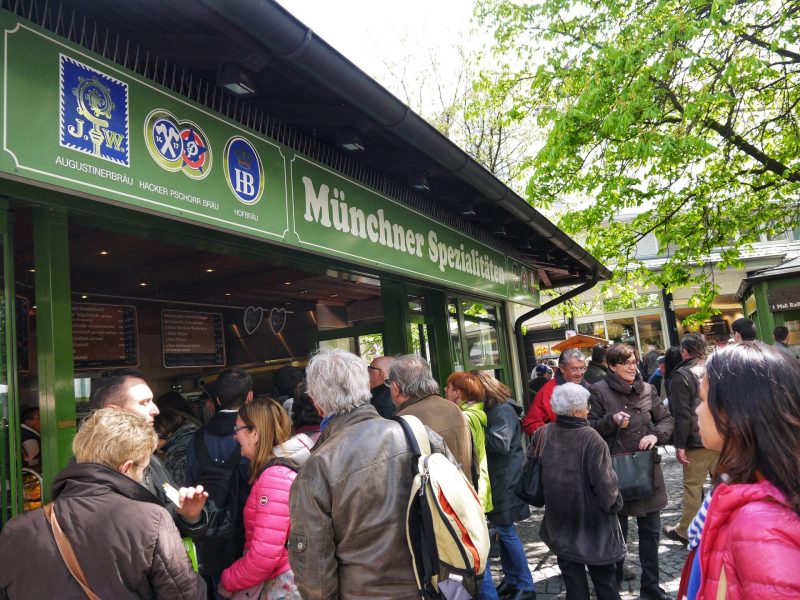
(648, 416)
(348, 510)
(125, 542)
(446, 419)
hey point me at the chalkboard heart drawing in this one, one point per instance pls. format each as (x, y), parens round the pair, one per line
(253, 315)
(277, 320)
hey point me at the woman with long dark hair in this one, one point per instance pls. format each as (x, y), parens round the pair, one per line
(750, 413)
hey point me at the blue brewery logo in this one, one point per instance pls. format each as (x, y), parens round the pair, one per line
(94, 112)
(244, 171)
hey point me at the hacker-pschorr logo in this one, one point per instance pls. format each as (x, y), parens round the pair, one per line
(94, 112)
(177, 145)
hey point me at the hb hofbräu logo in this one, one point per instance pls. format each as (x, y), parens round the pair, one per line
(94, 112)
(243, 170)
(177, 145)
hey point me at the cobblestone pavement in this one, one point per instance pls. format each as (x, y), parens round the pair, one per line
(672, 555)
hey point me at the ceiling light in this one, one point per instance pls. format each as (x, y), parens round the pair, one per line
(103, 252)
(209, 270)
(84, 296)
(467, 209)
(349, 140)
(31, 270)
(143, 284)
(333, 295)
(303, 291)
(227, 293)
(234, 79)
(419, 181)
(287, 283)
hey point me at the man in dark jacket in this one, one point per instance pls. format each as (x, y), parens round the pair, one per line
(381, 396)
(698, 462)
(126, 390)
(123, 539)
(230, 390)
(597, 368)
(649, 361)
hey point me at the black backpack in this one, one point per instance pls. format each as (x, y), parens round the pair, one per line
(223, 542)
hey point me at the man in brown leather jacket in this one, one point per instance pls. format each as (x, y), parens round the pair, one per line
(415, 392)
(348, 505)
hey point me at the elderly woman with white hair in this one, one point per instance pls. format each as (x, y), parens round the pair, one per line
(580, 525)
(348, 504)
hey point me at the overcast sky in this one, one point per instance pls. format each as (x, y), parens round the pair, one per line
(383, 38)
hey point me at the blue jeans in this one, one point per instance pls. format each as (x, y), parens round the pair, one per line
(487, 591)
(513, 559)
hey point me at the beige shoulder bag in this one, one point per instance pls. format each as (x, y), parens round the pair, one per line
(67, 553)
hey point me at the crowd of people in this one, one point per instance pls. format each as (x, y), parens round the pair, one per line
(304, 493)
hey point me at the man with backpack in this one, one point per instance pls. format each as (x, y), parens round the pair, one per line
(215, 461)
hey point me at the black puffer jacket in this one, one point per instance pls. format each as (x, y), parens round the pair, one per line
(580, 494)
(505, 456)
(125, 542)
(648, 416)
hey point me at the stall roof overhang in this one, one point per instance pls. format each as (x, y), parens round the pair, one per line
(304, 83)
(787, 268)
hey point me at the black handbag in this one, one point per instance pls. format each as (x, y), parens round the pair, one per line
(529, 487)
(634, 473)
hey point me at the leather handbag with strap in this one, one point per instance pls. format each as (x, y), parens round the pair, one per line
(67, 553)
(634, 472)
(530, 488)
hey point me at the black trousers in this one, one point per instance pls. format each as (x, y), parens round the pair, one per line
(574, 576)
(649, 531)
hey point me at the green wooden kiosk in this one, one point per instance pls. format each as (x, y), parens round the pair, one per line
(186, 187)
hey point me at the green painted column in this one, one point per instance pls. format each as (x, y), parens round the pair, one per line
(439, 329)
(53, 340)
(396, 331)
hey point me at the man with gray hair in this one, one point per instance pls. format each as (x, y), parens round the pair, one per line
(571, 369)
(348, 504)
(415, 392)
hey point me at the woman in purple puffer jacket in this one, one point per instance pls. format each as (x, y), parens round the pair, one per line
(263, 571)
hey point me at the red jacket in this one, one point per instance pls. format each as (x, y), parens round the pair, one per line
(540, 413)
(752, 531)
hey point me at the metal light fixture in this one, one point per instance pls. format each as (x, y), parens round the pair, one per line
(467, 209)
(419, 181)
(234, 79)
(499, 229)
(349, 140)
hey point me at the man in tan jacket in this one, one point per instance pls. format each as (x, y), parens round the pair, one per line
(415, 392)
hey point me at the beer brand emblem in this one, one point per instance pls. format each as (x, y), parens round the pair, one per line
(177, 145)
(94, 112)
(244, 171)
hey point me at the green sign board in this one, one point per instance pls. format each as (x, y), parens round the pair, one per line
(81, 123)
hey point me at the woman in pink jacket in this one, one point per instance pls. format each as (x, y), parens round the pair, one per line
(263, 571)
(750, 413)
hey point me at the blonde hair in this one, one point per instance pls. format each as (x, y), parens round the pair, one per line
(111, 437)
(273, 426)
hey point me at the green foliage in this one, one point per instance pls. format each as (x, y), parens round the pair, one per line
(676, 118)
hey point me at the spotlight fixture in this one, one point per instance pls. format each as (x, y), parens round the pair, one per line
(103, 253)
(303, 292)
(419, 181)
(499, 229)
(142, 284)
(84, 296)
(209, 270)
(348, 139)
(467, 209)
(31, 270)
(234, 79)
(287, 283)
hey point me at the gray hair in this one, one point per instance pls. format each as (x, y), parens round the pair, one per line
(569, 397)
(338, 381)
(412, 374)
(568, 355)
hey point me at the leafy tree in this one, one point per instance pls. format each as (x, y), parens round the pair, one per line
(682, 113)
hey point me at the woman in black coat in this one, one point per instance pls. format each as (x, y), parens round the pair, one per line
(505, 456)
(581, 498)
(622, 404)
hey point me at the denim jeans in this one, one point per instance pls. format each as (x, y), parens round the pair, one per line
(513, 559)
(487, 591)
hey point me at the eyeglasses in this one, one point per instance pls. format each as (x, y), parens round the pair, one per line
(237, 428)
(630, 363)
(371, 368)
(576, 369)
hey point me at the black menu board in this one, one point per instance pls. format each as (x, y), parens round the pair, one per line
(192, 339)
(104, 335)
